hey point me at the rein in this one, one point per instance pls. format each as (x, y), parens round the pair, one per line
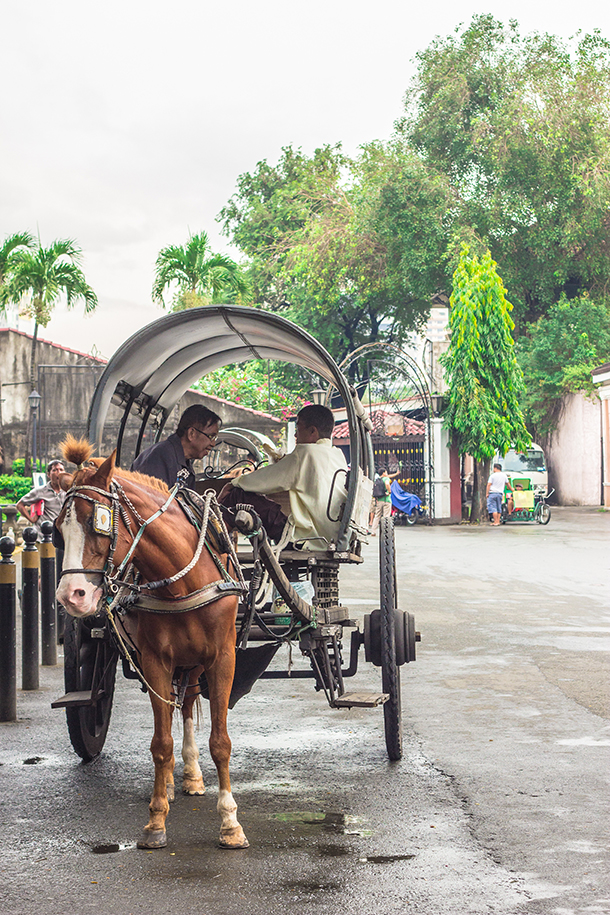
(114, 579)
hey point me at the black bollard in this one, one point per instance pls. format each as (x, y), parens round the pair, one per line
(8, 632)
(29, 611)
(48, 613)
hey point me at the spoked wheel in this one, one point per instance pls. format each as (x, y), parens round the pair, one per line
(89, 667)
(390, 671)
(412, 517)
(543, 513)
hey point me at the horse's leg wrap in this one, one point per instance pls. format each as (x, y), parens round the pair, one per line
(192, 778)
(231, 833)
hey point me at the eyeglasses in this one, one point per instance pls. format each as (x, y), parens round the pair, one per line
(213, 438)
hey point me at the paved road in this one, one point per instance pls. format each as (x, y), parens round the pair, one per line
(499, 805)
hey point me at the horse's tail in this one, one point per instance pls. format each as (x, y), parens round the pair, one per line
(76, 450)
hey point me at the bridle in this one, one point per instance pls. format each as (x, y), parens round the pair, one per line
(113, 576)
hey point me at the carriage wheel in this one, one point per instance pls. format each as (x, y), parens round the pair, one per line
(89, 666)
(390, 672)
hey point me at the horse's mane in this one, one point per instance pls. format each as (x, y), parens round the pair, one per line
(76, 450)
(79, 451)
(143, 478)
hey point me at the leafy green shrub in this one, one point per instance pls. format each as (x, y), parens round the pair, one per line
(13, 487)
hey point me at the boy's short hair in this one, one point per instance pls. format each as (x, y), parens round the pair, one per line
(497, 466)
(321, 417)
(52, 464)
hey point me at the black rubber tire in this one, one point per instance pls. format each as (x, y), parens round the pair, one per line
(412, 517)
(390, 671)
(543, 513)
(89, 662)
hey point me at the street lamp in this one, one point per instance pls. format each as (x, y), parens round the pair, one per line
(34, 399)
(318, 395)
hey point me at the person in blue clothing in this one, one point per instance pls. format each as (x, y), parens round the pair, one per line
(194, 438)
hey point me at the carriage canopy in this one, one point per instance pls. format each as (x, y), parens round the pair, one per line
(150, 372)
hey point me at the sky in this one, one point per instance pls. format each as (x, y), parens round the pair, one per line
(125, 125)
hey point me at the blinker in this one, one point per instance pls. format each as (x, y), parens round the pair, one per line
(102, 519)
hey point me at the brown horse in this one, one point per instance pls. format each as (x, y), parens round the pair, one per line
(197, 640)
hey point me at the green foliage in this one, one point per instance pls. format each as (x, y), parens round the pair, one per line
(198, 276)
(313, 230)
(485, 381)
(37, 277)
(15, 485)
(518, 126)
(254, 385)
(558, 355)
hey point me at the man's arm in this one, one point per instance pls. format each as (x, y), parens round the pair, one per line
(24, 505)
(279, 477)
(488, 487)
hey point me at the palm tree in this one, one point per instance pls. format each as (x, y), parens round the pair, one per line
(36, 279)
(7, 249)
(201, 276)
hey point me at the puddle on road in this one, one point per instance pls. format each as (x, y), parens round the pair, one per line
(110, 849)
(340, 823)
(333, 851)
(311, 886)
(384, 859)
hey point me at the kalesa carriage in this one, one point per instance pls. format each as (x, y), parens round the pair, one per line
(209, 619)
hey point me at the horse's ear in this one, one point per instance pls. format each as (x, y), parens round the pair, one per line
(65, 481)
(105, 471)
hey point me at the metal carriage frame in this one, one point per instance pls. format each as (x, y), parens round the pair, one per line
(146, 378)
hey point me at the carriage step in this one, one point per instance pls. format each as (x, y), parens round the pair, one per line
(360, 700)
(73, 700)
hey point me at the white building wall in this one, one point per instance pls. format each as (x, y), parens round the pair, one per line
(574, 452)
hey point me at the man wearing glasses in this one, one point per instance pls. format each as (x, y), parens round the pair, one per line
(193, 439)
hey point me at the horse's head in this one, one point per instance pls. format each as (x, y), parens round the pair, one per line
(87, 544)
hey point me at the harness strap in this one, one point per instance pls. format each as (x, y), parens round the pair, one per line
(206, 595)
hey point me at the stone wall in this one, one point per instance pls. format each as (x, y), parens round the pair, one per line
(66, 381)
(573, 452)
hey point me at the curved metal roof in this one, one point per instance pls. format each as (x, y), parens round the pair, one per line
(154, 368)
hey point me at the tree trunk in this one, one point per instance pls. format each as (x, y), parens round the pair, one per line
(479, 489)
(29, 426)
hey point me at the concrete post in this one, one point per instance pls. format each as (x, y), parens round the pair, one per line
(442, 476)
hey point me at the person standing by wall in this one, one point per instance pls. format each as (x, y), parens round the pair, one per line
(383, 501)
(497, 483)
(44, 502)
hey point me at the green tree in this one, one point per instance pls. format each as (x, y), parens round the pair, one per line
(558, 355)
(36, 280)
(7, 251)
(11, 244)
(485, 381)
(200, 276)
(311, 227)
(519, 128)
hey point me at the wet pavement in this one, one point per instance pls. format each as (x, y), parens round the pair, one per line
(500, 804)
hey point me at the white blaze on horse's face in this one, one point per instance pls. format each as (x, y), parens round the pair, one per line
(79, 596)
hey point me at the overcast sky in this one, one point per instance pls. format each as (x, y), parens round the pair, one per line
(125, 125)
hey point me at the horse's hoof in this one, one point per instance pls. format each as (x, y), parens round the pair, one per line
(171, 793)
(193, 788)
(233, 839)
(153, 839)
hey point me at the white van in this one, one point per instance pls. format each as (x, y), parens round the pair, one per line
(528, 464)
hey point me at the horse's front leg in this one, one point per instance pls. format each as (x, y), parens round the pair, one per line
(162, 749)
(220, 679)
(192, 777)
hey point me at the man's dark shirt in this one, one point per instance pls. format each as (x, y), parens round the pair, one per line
(164, 460)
